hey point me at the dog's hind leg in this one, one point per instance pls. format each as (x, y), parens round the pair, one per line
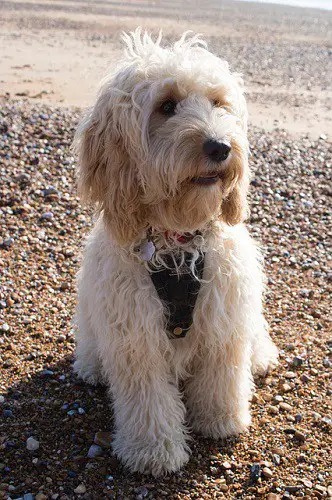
(264, 352)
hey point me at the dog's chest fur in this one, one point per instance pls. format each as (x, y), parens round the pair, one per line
(122, 300)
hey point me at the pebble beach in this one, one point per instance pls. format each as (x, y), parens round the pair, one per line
(56, 431)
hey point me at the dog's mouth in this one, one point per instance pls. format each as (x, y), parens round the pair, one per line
(207, 180)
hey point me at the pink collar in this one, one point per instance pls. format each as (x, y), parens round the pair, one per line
(180, 237)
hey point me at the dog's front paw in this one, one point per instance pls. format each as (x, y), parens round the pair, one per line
(264, 358)
(87, 372)
(156, 458)
(222, 427)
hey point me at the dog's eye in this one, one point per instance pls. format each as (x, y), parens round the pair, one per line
(167, 108)
(218, 104)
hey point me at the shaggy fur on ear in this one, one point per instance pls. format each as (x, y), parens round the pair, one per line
(106, 176)
(234, 207)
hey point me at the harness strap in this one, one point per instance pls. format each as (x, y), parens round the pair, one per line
(178, 293)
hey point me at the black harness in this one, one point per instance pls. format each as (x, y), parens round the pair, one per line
(178, 293)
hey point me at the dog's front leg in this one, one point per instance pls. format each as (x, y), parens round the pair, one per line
(218, 393)
(149, 413)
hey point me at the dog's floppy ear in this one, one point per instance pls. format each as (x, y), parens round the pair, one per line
(106, 176)
(235, 208)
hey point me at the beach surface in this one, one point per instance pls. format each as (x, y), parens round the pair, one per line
(53, 54)
(57, 51)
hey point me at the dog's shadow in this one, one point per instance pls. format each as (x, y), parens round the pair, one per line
(63, 414)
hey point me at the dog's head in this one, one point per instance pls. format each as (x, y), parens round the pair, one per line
(165, 143)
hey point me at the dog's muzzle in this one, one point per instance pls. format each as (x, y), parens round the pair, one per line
(217, 152)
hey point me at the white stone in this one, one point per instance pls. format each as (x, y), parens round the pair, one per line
(32, 444)
(80, 489)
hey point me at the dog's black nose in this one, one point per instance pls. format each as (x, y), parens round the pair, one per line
(216, 151)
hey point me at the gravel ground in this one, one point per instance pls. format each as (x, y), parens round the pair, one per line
(287, 453)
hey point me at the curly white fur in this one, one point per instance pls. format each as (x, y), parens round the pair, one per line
(138, 166)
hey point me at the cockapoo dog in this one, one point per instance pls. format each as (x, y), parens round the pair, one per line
(170, 288)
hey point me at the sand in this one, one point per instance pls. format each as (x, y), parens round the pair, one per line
(57, 52)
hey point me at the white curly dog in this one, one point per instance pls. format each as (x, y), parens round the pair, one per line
(163, 154)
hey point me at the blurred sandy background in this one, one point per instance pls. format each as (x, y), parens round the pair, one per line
(57, 51)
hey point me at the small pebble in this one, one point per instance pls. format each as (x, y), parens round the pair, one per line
(94, 451)
(307, 483)
(40, 496)
(50, 190)
(24, 177)
(293, 489)
(223, 488)
(297, 362)
(8, 242)
(300, 436)
(103, 439)
(142, 492)
(285, 388)
(321, 489)
(267, 472)
(47, 215)
(274, 410)
(289, 431)
(32, 444)
(255, 472)
(81, 489)
(285, 406)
